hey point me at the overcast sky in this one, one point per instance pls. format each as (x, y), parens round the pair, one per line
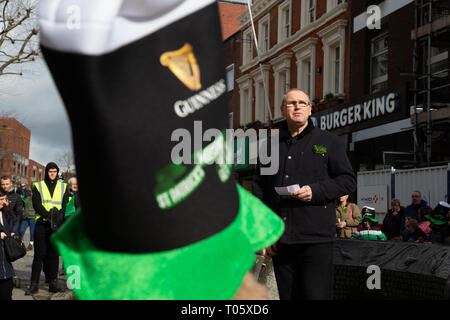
(34, 100)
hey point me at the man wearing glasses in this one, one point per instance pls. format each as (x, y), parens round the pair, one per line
(316, 160)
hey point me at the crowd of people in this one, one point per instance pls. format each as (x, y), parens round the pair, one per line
(42, 207)
(418, 222)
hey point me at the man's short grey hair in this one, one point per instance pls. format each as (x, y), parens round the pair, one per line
(283, 103)
(417, 192)
(71, 180)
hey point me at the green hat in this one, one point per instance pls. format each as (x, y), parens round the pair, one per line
(368, 213)
(439, 216)
(168, 228)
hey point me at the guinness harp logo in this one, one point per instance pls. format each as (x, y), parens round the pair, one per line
(183, 65)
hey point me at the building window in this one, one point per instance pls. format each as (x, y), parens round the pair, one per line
(245, 107)
(246, 96)
(305, 53)
(247, 52)
(312, 10)
(379, 63)
(282, 75)
(336, 70)
(263, 34)
(284, 21)
(230, 77)
(307, 76)
(261, 102)
(308, 12)
(333, 39)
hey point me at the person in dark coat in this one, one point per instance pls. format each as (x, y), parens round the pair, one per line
(7, 227)
(412, 211)
(316, 160)
(393, 221)
(14, 200)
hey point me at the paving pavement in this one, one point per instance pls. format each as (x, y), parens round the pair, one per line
(267, 278)
(22, 268)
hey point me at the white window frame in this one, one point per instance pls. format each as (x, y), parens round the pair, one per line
(305, 13)
(229, 71)
(286, 5)
(383, 78)
(331, 4)
(245, 97)
(306, 52)
(333, 36)
(282, 70)
(261, 105)
(247, 47)
(264, 39)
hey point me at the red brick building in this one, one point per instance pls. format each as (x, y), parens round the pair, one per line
(15, 153)
(303, 44)
(229, 12)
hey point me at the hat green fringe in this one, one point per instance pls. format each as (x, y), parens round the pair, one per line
(434, 221)
(366, 217)
(210, 269)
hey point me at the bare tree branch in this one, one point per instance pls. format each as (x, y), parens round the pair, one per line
(15, 17)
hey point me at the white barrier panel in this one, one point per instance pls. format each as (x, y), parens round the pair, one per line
(432, 183)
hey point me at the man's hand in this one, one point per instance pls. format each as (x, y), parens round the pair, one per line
(3, 235)
(303, 194)
(269, 252)
(341, 224)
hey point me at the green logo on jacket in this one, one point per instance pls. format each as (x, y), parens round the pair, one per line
(319, 149)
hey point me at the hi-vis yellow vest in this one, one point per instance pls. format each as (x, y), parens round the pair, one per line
(49, 202)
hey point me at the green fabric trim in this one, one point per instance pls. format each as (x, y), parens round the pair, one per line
(434, 221)
(212, 268)
(70, 207)
(372, 219)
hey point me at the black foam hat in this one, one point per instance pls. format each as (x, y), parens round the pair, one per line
(439, 215)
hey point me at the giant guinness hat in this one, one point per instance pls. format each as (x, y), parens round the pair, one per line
(141, 82)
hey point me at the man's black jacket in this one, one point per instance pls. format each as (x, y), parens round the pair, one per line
(15, 203)
(329, 174)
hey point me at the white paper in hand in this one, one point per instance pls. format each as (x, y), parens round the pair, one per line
(286, 191)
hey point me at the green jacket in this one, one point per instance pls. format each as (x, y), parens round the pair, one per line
(28, 212)
(369, 234)
(70, 207)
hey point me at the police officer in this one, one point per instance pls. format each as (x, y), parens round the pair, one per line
(50, 197)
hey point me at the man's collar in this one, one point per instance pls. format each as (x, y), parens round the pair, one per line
(285, 134)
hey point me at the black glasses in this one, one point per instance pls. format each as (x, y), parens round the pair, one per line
(301, 104)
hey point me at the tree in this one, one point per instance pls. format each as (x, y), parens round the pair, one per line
(17, 33)
(66, 165)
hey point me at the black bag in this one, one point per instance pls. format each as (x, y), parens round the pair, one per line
(56, 219)
(14, 248)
